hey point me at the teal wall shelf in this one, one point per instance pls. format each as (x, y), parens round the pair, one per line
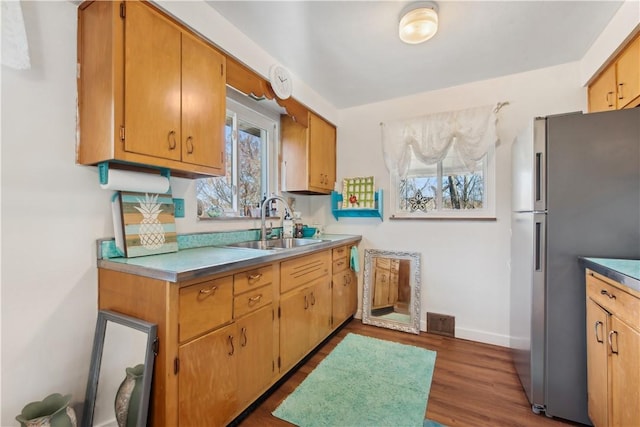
(337, 212)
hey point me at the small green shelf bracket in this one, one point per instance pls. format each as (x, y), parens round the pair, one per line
(356, 212)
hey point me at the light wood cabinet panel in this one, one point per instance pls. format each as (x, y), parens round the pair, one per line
(320, 311)
(302, 270)
(203, 104)
(625, 374)
(344, 295)
(622, 77)
(152, 67)
(294, 327)
(597, 327)
(613, 373)
(602, 92)
(207, 379)
(205, 306)
(150, 92)
(256, 367)
(628, 75)
(309, 155)
(322, 154)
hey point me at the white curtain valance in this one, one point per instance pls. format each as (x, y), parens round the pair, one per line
(429, 138)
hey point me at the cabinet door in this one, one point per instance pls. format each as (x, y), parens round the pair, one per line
(203, 104)
(628, 74)
(625, 374)
(344, 296)
(294, 327)
(322, 153)
(602, 92)
(207, 379)
(597, 350)
(256, 366)
(152, 84)
(319, 310)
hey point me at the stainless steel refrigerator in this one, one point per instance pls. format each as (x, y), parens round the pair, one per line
(575, 192)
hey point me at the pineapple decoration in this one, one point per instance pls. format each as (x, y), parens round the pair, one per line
(151, 231)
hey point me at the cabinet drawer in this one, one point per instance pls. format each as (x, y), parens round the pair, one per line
(205, 306)
(339, 253)
(340, 265)
(614, 300)
(251, 301)
(299, 271)
(252, 279)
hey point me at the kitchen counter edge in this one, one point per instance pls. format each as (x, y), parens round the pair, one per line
(151, 266)
(623, 271)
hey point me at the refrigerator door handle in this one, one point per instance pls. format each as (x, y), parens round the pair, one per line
(538, 254)
(538, 177)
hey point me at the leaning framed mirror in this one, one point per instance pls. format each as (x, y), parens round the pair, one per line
(120, 372)
(391, 290)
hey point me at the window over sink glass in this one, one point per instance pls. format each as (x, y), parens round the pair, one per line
(448, 188)
(249, 149)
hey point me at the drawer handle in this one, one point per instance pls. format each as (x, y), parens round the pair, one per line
(243, 338)
(231, 347)
(207, 292)
(254, 277)
(611, 342)
(605, 292)
(598, 323)
(254, 300)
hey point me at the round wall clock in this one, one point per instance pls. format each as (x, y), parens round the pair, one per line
(280, 80)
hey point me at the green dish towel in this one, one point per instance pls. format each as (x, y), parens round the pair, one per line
(354, 260)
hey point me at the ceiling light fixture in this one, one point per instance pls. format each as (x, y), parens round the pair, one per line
(418, 22)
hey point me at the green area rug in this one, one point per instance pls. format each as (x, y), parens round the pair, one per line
(363, 382)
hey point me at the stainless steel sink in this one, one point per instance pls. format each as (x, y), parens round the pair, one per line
(275, 244)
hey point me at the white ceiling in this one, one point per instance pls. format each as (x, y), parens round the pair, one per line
(350, 54)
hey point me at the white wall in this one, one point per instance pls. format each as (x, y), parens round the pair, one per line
(465, 263)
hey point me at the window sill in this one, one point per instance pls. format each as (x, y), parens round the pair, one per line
(442, 218)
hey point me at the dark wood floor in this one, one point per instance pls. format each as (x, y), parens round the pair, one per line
(473, 384)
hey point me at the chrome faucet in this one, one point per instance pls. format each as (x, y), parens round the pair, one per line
(265, 204)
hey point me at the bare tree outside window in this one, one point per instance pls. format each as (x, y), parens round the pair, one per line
(239, 192)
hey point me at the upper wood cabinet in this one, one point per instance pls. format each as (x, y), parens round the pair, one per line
(308, 155)
(628, 75)
(618, 86)
(602, 92)
(150, 92)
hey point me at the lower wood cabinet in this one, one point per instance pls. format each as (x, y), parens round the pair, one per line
(225, 339)
(207, 380)
(305, 306)
(613, 353)
(344, 287)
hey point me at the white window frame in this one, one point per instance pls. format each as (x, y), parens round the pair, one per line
(487, 212)
(238, 109)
